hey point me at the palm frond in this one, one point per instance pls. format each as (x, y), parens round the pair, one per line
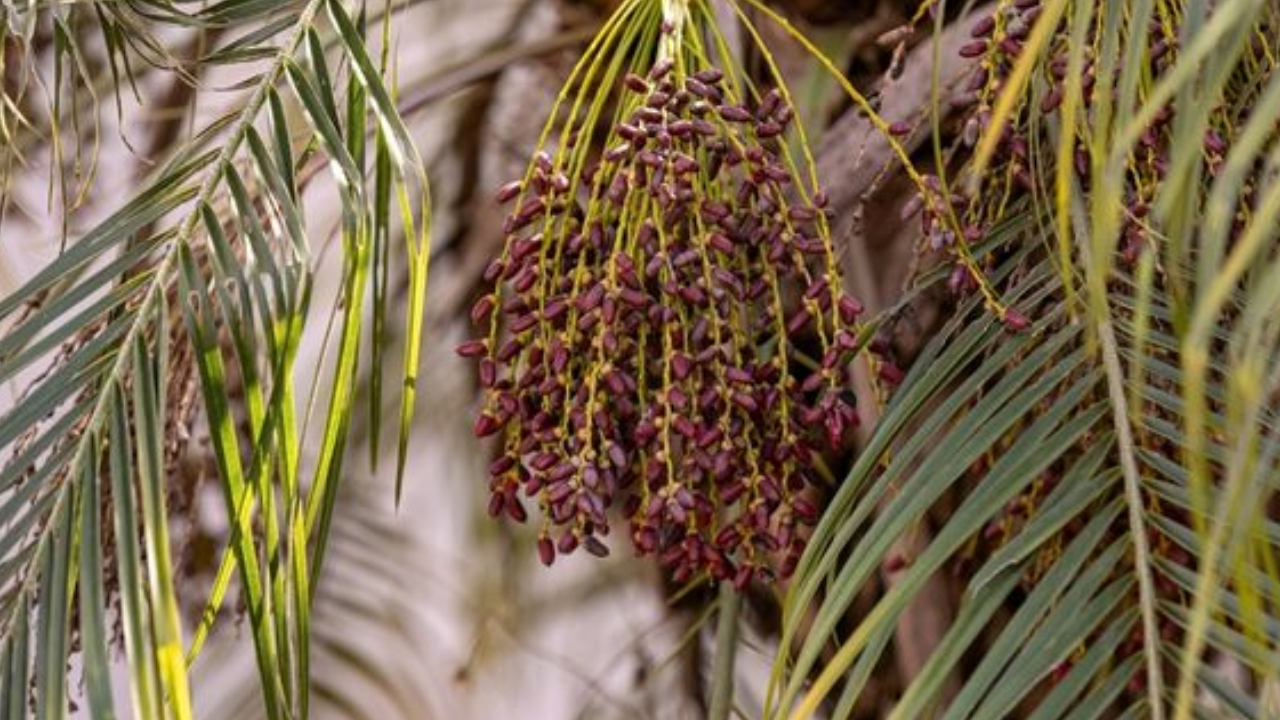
(1021, 426)
(1102, 488)
(64, 60)
(206, 272)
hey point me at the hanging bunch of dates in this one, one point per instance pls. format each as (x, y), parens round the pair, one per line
(666, 334)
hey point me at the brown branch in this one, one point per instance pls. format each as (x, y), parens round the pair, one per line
(856, 154)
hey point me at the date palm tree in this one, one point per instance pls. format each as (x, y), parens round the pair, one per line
(1060, 499)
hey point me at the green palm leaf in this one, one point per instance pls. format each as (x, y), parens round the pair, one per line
(208, 271)
(1039, 411)
(1108, 478)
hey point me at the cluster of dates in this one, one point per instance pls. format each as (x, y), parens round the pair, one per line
(642, 347)
(997, 41)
